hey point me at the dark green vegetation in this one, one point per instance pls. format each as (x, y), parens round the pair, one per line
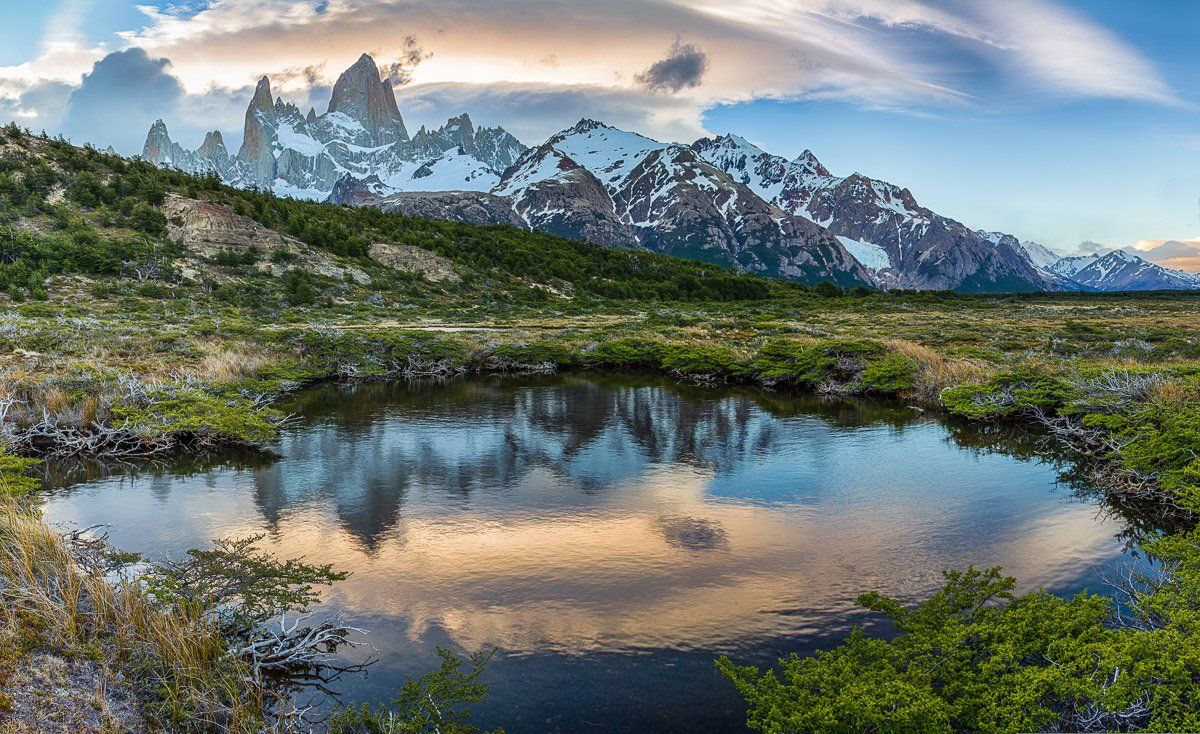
(118, 339)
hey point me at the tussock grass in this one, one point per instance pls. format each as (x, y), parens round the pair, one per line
(228, 364)
(934, 371)
(179, 661)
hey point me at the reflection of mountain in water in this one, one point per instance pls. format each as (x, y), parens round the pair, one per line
(369, 446)
(365, 450)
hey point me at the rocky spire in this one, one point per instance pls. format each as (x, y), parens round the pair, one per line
(312, 115)
(159, 148)
(461, 132)
(213, 148)
(262, 100)
(361, 95)
(259, 135)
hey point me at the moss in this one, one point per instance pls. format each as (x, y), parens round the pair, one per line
(14, 474)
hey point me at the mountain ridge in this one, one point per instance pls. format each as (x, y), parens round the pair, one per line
(719, 199)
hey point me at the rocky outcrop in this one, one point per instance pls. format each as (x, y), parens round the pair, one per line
(415, 260)
(206, 230)
(472, 207)
(363, 97)
(259, 138)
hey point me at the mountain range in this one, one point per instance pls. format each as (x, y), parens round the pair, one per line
(720, 199)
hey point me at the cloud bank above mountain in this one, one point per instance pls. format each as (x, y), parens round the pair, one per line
(904, 55)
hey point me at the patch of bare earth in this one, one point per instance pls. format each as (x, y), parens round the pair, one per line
(47, 693)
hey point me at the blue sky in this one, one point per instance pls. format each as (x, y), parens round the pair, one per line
(1061, 121)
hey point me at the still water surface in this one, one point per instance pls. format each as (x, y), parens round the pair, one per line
(612, 536)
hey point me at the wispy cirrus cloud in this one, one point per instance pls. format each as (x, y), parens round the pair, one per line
(915, 56)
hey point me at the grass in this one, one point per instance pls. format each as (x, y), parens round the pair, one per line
(178, 660)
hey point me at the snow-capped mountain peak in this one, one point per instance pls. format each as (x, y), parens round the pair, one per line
(362, 134)
(1121, 270)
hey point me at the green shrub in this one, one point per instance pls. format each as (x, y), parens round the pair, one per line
(1010, 393)
(202, 414)
(976, 657)
(624, 352)
(437, 701)
(298, 288)
(699, 359)
(891, 373)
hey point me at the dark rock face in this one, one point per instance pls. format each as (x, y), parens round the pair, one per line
(362, 96)
(570, 203)
(472, 207)
(926, 250)
(616, 188)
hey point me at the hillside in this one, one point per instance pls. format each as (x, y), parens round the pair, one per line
(158, 232)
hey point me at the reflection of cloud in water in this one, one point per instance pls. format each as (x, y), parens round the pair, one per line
(692, 533)
(611, 578)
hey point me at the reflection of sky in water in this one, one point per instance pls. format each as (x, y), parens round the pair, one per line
(573, 523)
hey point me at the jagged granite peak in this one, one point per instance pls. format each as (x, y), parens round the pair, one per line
(262, 99)
(160, 150)
(258, 137)
(157, 148)
(213, 147)
(304, 154)
(361, 95)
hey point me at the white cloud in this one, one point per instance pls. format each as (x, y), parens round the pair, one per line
(907, 55)
(1063, 53)
(533, 112)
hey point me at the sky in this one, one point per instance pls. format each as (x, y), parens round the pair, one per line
(1073, 123)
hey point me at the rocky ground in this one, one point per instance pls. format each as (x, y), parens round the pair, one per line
(46, 693)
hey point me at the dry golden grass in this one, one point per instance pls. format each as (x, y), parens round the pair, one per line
(180, 655)
(226, 364)
(1172, 392)
(936, 372)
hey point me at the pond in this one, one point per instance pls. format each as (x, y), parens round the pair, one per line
(611, 536)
